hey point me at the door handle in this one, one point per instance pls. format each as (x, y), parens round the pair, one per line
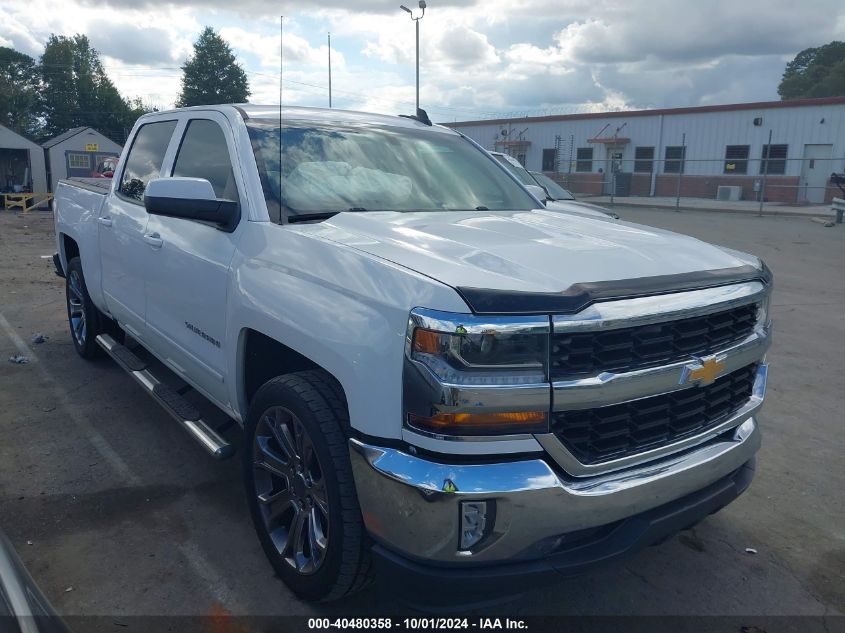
(153, 239)
(105, 221)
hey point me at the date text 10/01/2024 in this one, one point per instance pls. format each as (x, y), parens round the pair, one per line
(418, 623)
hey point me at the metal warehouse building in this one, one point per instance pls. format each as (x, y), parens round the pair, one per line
(21, 164)
(786, 149)
(77, 152)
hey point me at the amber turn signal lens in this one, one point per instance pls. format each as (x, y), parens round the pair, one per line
(426, 341)
(482, 423)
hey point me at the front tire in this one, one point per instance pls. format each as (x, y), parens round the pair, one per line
(300, 489)
(84, 318)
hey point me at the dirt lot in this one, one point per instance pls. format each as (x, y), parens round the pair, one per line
(117, 512)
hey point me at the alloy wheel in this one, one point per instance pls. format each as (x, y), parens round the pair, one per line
(76, 309)
(291, 490)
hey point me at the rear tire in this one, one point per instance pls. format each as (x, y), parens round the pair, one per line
(300, 488)
(85, 320)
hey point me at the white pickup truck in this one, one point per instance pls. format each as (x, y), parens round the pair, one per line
(436, 378)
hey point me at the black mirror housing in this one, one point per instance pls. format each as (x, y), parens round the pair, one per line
(220, 212)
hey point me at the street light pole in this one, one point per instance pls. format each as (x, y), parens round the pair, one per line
(416, 20)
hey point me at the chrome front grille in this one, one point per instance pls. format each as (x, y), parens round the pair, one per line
(602, 433)
(576, 353)
(621, 394)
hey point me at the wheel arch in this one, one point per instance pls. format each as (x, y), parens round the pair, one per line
(261, 358)
(69, 249)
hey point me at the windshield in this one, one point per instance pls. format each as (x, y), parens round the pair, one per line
(521, 173)
(327, 168)
(556, 192)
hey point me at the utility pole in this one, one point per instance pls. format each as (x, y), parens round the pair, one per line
(281, 66)
(765, 174)
(681, 165)
(330, 69)
(417, 24)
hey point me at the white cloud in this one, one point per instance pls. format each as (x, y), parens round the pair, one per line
(297, 49)
(499, 56)
(131, 43)
(463, 47)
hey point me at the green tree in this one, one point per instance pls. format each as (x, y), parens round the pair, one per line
(212, 75)
(76, 91)
(19, 92)
(815, 72)
(60, 91)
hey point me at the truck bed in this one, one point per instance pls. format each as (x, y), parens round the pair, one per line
(97, 185)
(77, 205)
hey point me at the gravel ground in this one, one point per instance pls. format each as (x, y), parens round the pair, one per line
(117, 512)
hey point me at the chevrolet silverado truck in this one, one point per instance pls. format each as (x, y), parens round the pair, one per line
(438, 381)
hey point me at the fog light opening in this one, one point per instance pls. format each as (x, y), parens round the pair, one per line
(476, 517)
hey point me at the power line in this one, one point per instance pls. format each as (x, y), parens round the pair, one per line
(138, 71)
(168, 71)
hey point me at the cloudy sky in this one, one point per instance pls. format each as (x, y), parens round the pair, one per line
(479, 59)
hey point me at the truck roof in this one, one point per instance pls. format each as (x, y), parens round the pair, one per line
(303, 113)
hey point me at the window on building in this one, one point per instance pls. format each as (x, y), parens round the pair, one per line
(204, 154)
(550, 159)
(736, 159)
(145, 158)
(78, 161)
(644, 160)
(584, 159)
(675, 157)
(776, 155)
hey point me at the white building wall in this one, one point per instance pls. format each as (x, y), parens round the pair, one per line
(9, 139)
(707, 135)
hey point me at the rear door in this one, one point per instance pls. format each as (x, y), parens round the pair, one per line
(188, 273)
(122, 226)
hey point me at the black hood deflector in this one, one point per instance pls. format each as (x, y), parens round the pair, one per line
(581, 295)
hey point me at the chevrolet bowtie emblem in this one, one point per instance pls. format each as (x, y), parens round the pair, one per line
(703, 372)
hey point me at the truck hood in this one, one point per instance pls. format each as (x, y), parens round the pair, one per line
(581, 208)
(535, 251)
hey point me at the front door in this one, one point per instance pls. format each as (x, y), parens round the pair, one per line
(122, 226)
(815, 172)
(614, 164)
(187, 274)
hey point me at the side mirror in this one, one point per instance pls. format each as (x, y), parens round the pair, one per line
(538, 192)
(190, 199)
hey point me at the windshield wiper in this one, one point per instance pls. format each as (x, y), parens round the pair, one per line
(322, 215)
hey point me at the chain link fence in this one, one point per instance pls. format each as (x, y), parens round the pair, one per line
(743, 182)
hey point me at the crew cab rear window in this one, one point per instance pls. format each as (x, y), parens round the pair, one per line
(204, 154)
(145, 158)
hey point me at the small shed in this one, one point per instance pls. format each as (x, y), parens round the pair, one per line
(79, 152)
(21, 164)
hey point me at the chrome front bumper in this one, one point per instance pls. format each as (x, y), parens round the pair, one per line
(412, 505)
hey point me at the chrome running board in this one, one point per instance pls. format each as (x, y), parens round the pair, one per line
(178, 407)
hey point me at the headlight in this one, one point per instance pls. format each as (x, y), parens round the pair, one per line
(467, 375)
